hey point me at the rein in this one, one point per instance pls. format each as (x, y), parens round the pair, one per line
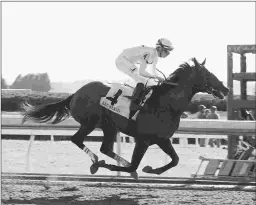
(161, 73)
(206, 88)
(164, 82)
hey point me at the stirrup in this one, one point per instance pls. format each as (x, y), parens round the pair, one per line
(133, 109)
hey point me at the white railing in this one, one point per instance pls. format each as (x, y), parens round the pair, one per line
(11, 124)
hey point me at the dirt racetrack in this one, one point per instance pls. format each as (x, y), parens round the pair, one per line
(85, 193)
(63, 157)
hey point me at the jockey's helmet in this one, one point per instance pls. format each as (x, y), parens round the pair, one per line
(164, 46)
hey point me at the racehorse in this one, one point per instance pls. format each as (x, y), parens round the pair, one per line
(155, 124)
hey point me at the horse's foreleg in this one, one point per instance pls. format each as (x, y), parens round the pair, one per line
(166, 146)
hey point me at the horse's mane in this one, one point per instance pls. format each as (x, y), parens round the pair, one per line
(175, 76)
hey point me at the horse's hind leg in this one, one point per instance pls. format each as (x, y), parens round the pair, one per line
(78, 138)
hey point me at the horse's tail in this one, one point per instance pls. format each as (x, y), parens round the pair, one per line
(44, 113)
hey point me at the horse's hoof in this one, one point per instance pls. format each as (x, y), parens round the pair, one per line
(134, 175)
(94, 168)
(147, 169)
(101, 163)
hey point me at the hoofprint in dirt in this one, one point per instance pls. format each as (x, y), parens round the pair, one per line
(62, 157)
(84, 193)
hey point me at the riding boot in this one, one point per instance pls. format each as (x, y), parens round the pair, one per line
(136, 99)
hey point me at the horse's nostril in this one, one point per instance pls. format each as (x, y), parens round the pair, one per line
(228, 90)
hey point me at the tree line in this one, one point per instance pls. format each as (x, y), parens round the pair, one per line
(35, 82)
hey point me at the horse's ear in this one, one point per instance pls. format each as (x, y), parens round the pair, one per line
(203, 61)
(196, 62)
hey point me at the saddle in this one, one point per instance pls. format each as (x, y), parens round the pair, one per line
(127, 101)
(120, 100)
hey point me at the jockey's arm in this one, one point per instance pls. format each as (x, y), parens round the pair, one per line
(142, 70)
(143, 66)
(155, 70)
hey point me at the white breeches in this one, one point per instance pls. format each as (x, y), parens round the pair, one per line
(127, 67)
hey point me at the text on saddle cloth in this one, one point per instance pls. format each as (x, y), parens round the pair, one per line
(116, 101)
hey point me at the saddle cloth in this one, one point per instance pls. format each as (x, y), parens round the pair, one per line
(118, 99)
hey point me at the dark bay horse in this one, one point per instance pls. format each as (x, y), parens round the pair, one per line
(155, 124)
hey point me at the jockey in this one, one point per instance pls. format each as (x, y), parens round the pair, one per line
(142, 55)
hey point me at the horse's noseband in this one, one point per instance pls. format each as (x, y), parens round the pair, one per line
(207, 88)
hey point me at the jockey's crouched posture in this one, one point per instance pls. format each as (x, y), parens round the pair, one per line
(142, 55)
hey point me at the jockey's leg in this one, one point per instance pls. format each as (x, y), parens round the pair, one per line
(136, 98)
(126, 66)
(138, 94)
(129, 69)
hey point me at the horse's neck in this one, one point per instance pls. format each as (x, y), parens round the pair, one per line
(179, 97)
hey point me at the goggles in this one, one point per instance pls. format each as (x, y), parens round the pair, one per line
(167, 48)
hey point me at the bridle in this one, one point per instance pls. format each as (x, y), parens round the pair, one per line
(206, 88)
